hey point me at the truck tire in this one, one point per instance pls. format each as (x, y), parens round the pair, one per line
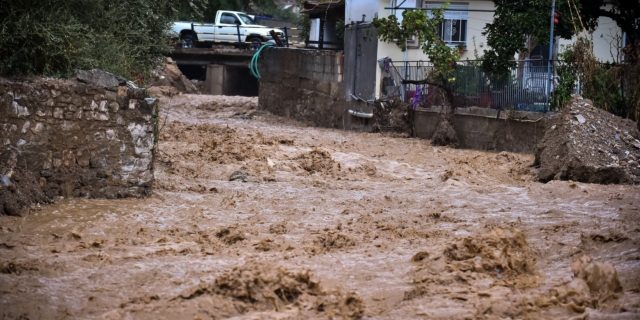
(188, 41)
(256, 43)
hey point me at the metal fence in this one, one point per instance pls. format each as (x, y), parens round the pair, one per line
(523, 88)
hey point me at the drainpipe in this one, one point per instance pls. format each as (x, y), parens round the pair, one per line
(406, 69)
(553, 10)
(355, 63)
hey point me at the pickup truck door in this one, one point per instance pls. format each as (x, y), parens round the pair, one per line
(227, 30)
(205, 31)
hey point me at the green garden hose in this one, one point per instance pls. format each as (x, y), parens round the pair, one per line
(254, 61)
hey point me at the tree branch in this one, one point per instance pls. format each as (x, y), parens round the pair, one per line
(615, 17)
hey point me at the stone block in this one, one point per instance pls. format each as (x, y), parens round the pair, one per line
(111, 96)
(114, 106)
(68, 158)
(58, 113)
(47, 123)
(37, 128)
(83, 159)
(25, 126)
(65, 98)
(99, 78)
(102, 106)
(98, 161)
(19, 110)
(76, 101)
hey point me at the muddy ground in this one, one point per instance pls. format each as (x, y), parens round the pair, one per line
(328, 224)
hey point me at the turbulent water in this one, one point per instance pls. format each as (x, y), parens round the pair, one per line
(329, 223)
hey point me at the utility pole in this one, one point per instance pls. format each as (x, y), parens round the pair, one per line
(553, 11)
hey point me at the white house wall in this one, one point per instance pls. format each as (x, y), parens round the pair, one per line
(476, 23)
(605, 47)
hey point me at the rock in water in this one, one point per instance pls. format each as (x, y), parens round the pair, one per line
(238, 175)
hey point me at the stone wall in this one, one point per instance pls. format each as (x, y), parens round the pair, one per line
(487, 129)
(306, 85)
(91, 136)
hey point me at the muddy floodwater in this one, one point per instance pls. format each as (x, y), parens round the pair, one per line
(322, 223)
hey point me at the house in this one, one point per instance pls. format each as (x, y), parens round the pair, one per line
(324, 17)
(465, 22)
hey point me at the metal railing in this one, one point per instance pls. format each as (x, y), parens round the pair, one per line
(525, 87)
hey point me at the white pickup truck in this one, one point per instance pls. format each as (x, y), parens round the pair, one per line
(225, 30)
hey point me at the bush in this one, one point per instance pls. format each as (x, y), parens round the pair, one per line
(56, 37)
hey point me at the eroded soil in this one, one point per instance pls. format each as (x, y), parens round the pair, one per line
(328, 224)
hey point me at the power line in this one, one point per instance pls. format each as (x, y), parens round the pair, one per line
(424, 9)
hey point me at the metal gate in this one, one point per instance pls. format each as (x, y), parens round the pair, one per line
(360, 61)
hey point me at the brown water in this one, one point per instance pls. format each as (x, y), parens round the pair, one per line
(354, 209)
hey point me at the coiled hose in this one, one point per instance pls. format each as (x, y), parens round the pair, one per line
(254, 61)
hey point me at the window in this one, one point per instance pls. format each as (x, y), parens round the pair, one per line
(246, 19)
(454, 29)
(229, 18)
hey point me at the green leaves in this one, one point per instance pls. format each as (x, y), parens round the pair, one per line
(424, 27)
(515, 21)
(56, 37)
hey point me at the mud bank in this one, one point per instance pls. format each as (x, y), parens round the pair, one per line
(20, 192)
(328, 223)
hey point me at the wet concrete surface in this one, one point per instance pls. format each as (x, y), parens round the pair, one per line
(387, 227)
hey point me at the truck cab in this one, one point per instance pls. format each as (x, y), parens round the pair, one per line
(225, 31)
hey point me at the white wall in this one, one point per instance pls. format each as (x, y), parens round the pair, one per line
(605, 46)
(602, 37)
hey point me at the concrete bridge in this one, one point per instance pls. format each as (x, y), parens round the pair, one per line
(225, 70)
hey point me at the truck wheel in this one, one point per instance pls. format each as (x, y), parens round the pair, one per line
(188, 41)
(256, 43)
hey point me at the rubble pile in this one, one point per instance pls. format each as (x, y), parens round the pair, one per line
(168, 75)
(587, 144)
(20, 192)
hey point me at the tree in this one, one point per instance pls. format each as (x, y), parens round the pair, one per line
(519, 25)
(56, 37)
(425, 26)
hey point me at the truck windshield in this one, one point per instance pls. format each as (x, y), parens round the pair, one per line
(246, 19)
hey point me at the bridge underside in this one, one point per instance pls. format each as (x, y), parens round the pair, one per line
(225, 71)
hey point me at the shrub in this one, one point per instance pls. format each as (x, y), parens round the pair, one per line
(56, 37)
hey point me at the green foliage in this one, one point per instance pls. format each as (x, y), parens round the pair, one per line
(418, 23)
(612, 87)
(340, 29)
(514, 21)
(56, 37)
(565, 87)
(304, 23)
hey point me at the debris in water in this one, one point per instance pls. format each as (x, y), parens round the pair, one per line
(238, 175)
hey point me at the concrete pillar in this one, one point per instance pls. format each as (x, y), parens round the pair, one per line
(230, 81)
(215, 79)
